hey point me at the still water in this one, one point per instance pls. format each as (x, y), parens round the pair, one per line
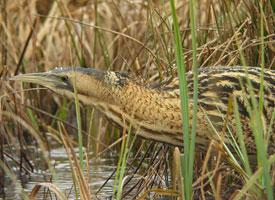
(101, 169)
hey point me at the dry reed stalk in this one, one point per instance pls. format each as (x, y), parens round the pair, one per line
(221, 25)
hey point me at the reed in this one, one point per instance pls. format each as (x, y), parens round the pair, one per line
(189, 139)
(136, 37)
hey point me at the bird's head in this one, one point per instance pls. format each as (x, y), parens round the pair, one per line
(94, 84)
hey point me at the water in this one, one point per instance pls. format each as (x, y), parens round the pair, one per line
(101, 169)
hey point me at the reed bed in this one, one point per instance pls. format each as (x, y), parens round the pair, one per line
(147, 39)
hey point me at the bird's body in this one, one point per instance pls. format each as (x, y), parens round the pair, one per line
(155, 113)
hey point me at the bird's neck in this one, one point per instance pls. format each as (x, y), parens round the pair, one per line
(153, 114)
(149, 108)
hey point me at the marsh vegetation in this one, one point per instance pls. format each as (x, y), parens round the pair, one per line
(42, 132)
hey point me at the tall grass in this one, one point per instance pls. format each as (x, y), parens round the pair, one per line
(122, 163)
(189, 139)
(259, 130)
(267, 182)
(135, 36)
(193, 14)
(187, 188)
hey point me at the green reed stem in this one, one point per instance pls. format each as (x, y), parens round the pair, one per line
(118, 183)
(187, 159)
(192, 8)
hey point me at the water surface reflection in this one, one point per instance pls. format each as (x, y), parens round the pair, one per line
(101, 169)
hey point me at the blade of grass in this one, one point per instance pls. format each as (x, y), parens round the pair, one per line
(184, 102)
(33, 118)
(79, 128)
(78, 174)
(256, 123)
(119, 165)
(271, 124)
(266, 167)
(192, 8)
(62, 111)
(123, 165)
(125, 148)
(253, 179)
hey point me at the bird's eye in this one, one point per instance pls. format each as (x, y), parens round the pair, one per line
(64, 78)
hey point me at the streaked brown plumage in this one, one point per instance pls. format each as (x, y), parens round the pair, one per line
(155, 113)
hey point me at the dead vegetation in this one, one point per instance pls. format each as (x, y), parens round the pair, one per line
(132, 36)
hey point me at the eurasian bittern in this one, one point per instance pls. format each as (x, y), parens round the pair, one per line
(155, 113)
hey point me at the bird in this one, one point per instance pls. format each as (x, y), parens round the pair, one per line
(154, 113)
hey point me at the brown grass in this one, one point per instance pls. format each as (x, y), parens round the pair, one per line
(132, 36)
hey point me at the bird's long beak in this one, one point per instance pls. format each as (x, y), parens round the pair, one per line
(46, 79)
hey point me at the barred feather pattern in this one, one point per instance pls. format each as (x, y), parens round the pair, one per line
(156, 113)
(217, 88)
